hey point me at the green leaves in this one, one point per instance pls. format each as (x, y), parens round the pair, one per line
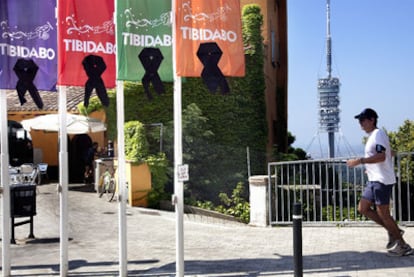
(403, 139)
(136, 144)
(217, 128)
(94, 105)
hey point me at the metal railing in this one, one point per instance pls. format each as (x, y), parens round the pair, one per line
(404, 191)
(330, 191)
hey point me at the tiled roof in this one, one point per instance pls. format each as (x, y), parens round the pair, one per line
(74, 96)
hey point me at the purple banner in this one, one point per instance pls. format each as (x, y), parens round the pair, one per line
(28, 31)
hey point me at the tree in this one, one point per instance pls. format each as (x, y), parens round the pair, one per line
(293, 154)
(198, 154)
(403, 141)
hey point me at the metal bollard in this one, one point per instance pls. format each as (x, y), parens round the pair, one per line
(297, 240)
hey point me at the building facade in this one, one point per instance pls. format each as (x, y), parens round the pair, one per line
(276, 70)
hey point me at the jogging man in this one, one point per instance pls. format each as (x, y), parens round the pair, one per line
(381, 178)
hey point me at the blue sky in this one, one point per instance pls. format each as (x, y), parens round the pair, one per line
(373, 56)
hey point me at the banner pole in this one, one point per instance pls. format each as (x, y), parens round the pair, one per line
(63, 182)
(178, 186)
(121, 181)
(5, 188)
(178, 197)
(123, 259)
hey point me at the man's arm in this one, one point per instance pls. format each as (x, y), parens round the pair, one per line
(377, 158)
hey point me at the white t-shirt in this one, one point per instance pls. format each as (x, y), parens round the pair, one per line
(384, 171)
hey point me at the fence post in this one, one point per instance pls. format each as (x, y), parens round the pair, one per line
(258, 200)
(297, 239)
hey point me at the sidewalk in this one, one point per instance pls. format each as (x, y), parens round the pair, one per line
(212, 247)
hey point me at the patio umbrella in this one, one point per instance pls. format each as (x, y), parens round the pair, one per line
(76, 124)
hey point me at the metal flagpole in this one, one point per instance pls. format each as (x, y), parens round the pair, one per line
(5, 188)
(123, 259)
(63, 177)
(178, 196)
(120, 119)
(63, 182)
(178, 200)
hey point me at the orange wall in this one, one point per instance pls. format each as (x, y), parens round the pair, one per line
(47, 142)
(274, 20)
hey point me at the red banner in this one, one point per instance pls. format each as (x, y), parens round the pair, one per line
(201, 21)
(85, 28)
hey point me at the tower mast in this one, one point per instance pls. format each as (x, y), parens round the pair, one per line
(328, 39)
(328, 91)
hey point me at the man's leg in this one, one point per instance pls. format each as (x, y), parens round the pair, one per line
(365, 208)
(388, 221)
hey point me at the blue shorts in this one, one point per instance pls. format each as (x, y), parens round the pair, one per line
(377, 193)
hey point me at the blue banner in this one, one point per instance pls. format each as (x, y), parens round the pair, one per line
(28, 31)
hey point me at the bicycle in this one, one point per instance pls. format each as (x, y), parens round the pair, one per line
(107, 184)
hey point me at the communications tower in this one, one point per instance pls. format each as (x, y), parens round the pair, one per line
(328, 91)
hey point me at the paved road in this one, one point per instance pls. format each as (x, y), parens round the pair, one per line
(212, 247)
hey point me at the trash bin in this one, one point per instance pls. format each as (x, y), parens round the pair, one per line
(22, 204)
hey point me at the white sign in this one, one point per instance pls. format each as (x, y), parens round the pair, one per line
(182, 171)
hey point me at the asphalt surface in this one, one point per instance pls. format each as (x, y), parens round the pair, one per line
(212, 247)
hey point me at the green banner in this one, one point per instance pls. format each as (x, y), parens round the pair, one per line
(143, 24)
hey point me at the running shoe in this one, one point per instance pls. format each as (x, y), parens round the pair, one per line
(391, 241)
(400, 249)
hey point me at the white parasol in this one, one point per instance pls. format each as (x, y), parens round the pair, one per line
(76, 124)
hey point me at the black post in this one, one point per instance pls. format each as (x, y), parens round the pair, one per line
(297, 239)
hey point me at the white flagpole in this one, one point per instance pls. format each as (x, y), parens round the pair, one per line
(120, 119)
(63, 176)
(123, 259)
(178, 197)
(5, 188)
(63, 182)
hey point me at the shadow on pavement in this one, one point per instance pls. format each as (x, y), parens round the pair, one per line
(45, 240)
(82, 187)
(349, 261)
(76, 264)
(336, 262)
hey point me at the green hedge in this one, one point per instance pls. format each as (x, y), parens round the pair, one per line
(236, 121)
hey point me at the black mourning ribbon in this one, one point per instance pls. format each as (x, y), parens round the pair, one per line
(94, 67)
(151, 59)
(26, 70)
(209, 54)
